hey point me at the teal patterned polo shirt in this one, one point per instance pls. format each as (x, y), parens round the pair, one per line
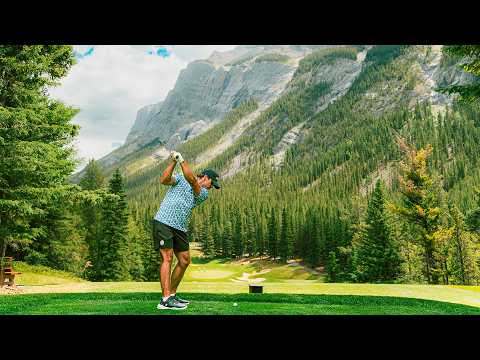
(178, 203)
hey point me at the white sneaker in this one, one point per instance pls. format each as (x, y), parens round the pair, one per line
(171, 304)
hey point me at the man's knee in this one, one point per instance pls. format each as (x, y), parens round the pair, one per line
(184, 260)
(167, 255)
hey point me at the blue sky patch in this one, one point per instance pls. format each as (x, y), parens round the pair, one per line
(160, 51)
(163, 52)
(80, 55)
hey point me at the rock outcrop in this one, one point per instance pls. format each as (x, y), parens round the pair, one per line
(205, 91)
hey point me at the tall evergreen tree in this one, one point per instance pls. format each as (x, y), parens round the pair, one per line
(272, 235)
(332, 267)
(207, 239)
(217, 240)
(111, 262)
(250, 235)
(473, 216)
(237, 239)
(91, 212)
(463, 255)
(133, 251)
(92, 178)
(211, 243)
(227, 240)
(377, 257)
(283, 244)
(35, 134)
(260, 236)
(420, 203)
(313, 245)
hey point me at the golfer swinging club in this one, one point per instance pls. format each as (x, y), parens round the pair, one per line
(171, 222)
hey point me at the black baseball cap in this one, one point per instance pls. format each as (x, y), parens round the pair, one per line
(212, 175)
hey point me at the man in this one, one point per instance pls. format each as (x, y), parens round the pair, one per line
(170, 224)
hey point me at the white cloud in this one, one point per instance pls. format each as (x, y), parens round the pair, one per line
(114, 82)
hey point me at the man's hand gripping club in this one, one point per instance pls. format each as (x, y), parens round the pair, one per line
(177, 157)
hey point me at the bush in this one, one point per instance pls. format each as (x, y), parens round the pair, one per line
(35, 258)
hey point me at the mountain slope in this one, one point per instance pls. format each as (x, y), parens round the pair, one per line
(204, 94)
(317, 150)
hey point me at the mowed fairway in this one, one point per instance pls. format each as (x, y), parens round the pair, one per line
(223, 304)
(214, 286)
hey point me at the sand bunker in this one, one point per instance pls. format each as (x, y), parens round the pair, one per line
(246, 277)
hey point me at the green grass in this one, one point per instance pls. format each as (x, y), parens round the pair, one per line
(42, 275)
(213, 286)
(219, 270)
(211, 270)
(222, 304)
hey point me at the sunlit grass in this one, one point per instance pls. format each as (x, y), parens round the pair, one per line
(223, 304)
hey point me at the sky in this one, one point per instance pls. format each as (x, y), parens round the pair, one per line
(110, 83)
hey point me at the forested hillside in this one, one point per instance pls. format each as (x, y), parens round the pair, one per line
(311, 207)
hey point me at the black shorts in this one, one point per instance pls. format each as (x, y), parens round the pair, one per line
(167, 237)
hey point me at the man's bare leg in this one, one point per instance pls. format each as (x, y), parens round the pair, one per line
(179, 270)
(165, 267)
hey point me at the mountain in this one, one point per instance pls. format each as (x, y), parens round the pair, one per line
(205, 91)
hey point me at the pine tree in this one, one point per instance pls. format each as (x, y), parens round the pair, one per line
(283, 244)
(91, 213)
(227, 240)
(272, 235)
(259, 237)
(332, 267)
(92, 178)
(250, 236)
(237, 239)
(66, 249)
(111, 256)
(210, 244)
(35, 132)
(463, 257)
(217, 241)
(150, 257)
(377, 258)
(206, 244)
(420, 203)
(313, 246)
(473, 216)
(133, 251)
(290, 231)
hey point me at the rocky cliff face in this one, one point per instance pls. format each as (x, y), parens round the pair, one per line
(143, 116)
(205, 91)
(203, 95)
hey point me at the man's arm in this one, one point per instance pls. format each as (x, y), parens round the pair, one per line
(166, 178)
(190, 177)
